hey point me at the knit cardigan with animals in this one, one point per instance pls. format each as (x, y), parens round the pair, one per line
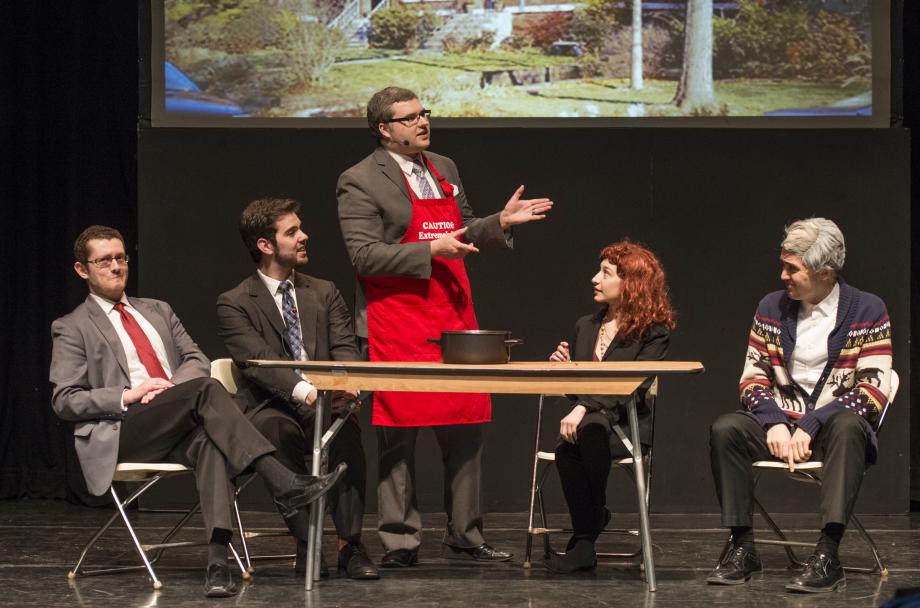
(857, 375)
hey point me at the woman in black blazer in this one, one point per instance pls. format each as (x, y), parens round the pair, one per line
(633, 324)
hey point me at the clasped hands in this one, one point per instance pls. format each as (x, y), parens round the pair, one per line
(516, 211)
(790, 447)
(144, 392)
(340, 399)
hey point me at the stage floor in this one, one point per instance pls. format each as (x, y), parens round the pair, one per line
(40, 540)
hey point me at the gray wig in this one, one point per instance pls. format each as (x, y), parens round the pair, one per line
(818, 241)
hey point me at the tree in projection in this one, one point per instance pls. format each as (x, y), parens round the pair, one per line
(695, 92)
(636, 82)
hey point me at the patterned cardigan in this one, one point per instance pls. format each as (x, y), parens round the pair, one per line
(857, 375)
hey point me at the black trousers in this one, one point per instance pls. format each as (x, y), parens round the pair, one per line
(584, 467)
(294, 445)
(737, 440)
(197, 424)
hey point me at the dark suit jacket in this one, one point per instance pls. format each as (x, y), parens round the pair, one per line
(89, 372)
(653, 346)
(251, 327)
(374, 213)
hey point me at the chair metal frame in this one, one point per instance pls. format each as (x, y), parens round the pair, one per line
(539, 475)
(810, 472)
(148, 474)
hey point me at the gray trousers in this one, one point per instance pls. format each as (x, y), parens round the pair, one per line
(737, 440)
(197, 424)
(399, 521)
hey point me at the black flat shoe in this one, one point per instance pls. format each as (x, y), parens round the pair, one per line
(307, 489)
(482, 553)
(822, 573)
(736, 568)
(399, 558)
(579, 557)
(218, 582)
(355, 563)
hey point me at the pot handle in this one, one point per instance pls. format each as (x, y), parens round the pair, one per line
(435, 340)
(513, 342)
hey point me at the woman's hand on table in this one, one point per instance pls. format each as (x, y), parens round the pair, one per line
(568, 427)
(562, 353)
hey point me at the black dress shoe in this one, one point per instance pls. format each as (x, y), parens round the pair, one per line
(306, 489)
(354, 563)
(218, 582)
(482, 553)
(400, 558)
(822, 573)
(300, 563)
(736, 568)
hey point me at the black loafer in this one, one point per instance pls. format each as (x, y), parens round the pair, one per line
(218, 582)
(400, 558)
(300, 563)
(736, 568)
(355, 563)
(306, 489)
(580, 556)
(482, 553)
(822, 573)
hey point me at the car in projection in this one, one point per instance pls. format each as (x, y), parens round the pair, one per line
(183, 96)
(861, 105)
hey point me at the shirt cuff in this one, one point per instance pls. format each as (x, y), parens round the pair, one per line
(301, 391)
(124, 408)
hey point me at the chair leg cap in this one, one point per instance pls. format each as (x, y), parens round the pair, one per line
(71, 575)
(157, 585)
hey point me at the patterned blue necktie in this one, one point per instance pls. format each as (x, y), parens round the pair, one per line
(291, 322)
(421, 179)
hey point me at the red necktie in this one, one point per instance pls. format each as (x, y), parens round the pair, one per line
(142, 344)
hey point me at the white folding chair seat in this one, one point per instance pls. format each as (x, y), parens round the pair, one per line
(810, 472)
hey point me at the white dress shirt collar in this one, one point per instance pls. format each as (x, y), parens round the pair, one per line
(108, 305)
(273, 285)
(825, 308)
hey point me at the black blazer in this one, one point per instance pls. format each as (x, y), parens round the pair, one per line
(251, 327)
(652, 346)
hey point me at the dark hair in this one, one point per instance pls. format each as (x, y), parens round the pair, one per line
(644, 295)
(380, 107)
(258, 221)
(80, 249)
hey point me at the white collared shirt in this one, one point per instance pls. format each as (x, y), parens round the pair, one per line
(815, 324)
(406, 164)
(137, 373)
(303, 389)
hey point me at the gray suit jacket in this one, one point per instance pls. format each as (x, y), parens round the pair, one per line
(374, 213)
(251, 327)
(89, 372)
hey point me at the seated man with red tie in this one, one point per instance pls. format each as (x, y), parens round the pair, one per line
(138, 389)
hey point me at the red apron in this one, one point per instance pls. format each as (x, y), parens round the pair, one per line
(402, 313)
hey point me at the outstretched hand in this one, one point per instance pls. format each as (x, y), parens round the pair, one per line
(518, 211)
(449, 246)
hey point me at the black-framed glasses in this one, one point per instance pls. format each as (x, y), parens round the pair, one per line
(412, 119)
(105, 262)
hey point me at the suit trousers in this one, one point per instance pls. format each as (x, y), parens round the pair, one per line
(294, 443)
(197, 424)
(737, 440)
(399, 520)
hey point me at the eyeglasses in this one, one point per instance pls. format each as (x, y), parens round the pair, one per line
(412, 119)
(105, 262)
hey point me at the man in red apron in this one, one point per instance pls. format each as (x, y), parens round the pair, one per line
(407, 226)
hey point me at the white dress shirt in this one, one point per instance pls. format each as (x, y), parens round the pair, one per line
(815, 324)
(303, 389)
(406, 164)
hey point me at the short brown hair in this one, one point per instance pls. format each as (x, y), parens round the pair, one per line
(95, 232)
(258, 221)
(380, 107)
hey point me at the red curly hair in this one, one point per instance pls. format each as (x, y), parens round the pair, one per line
(644, 295)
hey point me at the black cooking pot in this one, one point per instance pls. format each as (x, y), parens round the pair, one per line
(479, 346)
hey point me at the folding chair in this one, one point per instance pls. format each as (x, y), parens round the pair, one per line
(542, 465)
(147, 474)
(810, 472)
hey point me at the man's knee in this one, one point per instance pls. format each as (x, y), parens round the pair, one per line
(725, 428)
(846, 426)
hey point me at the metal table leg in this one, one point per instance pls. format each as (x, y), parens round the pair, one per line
(315, 530)
(639, 465)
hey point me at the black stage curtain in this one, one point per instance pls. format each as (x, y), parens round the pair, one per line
(68, 141)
